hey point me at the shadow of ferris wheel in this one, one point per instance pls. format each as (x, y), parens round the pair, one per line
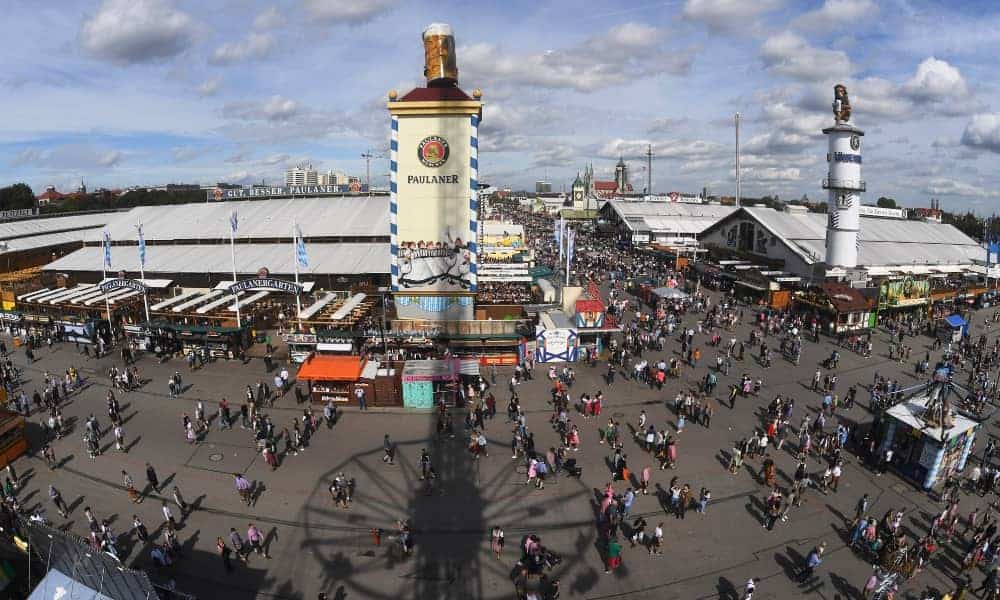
(451, 521)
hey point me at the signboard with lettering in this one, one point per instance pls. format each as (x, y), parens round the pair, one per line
(121, 283)
(17, 213)
(258, 284)
(877, 211)
(284, 190)
(435, 214)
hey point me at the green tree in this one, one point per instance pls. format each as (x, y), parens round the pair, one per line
(884, 202)
(18, 195)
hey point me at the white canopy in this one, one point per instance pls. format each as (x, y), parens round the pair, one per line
(348, 306)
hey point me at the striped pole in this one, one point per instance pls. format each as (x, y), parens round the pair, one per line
(393, 207)
(473, 201)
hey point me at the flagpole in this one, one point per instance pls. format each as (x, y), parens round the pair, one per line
(236, 298)
(142, 272)
(295, 261)
(104, 271)
(569, 254)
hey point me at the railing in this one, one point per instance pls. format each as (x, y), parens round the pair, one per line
(844, 184)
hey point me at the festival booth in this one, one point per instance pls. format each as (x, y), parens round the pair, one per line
(13, 442)
(952, 328)
(930, 439)
(593, 326)
(556, 340)
(336, 378)
(427, 382)
(838, 308)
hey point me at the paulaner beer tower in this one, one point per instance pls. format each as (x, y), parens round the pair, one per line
(844, 184)
(433, 189)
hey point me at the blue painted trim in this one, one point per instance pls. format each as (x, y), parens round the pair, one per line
(393, 228)
(392, 188)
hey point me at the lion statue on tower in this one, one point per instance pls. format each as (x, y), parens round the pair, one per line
(841, 104)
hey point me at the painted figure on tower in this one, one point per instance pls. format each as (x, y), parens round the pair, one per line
(841, 103)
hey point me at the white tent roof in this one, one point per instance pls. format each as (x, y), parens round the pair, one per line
(883, 241)
(362, 216)
(58, 586)
(324, 258)
(175, 299)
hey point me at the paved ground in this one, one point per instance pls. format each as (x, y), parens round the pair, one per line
(316, 547)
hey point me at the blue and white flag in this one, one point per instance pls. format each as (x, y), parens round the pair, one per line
(300, 248)
(570, 243)
(234, 221)
(558, 232)
(142, 246)
(107, 250)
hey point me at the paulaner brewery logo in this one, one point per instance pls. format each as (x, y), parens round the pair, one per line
(433, 151)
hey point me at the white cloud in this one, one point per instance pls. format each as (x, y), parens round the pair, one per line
(185, 153)
(790, 55)
(935, 80)
(253, 46)
(137, 31)
(983, 132)
(768, 174)
(276, 108)
(837, 13)
(269, 18)
(350, 12)
(669, 149)
(625, 53)
(209, 87)
(722, 15)
(70, 157)
(275, 159)
(110, 158)
(943, 186)
(556, 155)
(666, 124)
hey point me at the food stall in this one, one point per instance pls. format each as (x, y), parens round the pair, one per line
(333, 377)
(952, 328)
(556, 340)
(928, 436)
(426, 382)
(13, 442)
(839, 308)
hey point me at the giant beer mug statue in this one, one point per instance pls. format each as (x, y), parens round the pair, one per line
(440, 66)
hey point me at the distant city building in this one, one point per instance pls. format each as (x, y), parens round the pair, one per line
(621, 177)
(334, 178)
(301, 175)
(543, 187)
(50, 196)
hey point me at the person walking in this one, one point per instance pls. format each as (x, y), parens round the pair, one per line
(129, 484)
(168, 516)
(242, 487)
(614, 555)
(750, 588)
(151, 478)
(140, 529)
(238, 546)
(224, 551)
(179, 501)
(814, 560)
(256, 540)
(497, 541)
(57, 499)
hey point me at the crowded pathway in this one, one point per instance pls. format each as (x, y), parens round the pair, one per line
(695, 459)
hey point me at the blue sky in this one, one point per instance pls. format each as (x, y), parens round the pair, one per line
(142, 92)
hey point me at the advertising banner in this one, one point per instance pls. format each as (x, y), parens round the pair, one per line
(904, 292)
(434, 216)
(556, 345)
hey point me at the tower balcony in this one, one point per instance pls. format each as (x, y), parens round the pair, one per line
(843, 184)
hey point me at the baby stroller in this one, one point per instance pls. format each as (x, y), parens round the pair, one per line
(572, 468)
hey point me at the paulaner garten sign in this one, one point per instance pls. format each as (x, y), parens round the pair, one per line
(265, 283)
(120, 283)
